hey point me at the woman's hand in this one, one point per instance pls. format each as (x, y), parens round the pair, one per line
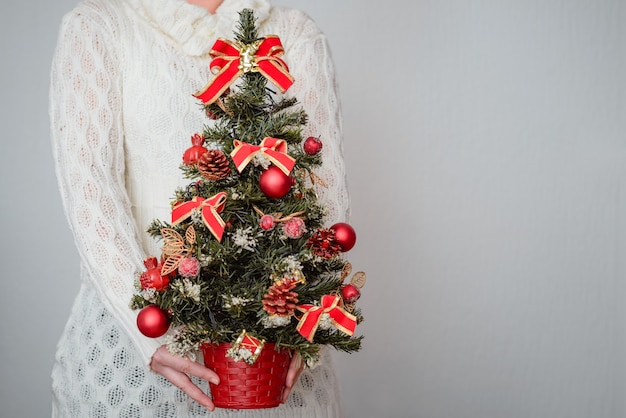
(178, 369)
(295, 368)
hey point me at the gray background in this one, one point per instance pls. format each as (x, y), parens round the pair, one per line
(485, 144)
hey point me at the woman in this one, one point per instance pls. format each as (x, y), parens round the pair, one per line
(122, 114)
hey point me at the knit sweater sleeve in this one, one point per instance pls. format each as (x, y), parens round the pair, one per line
(88, 147)
(309, 58)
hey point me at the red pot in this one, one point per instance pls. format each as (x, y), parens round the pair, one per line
(245, 386)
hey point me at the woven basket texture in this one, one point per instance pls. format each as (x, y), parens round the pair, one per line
(244, 386)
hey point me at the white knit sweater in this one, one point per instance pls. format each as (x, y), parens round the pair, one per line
(122, 114)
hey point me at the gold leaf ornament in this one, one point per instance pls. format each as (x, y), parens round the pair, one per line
(359, 278)
(175, 247)
(314, 178)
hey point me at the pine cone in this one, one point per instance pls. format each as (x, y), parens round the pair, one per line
(279, 299)
(323, 243)
(214, 165)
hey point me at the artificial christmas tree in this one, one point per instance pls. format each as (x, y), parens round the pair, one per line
(248, 261)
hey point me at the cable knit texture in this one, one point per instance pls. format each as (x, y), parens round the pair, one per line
(122, 114)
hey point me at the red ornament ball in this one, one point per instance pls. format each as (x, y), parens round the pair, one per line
(345, 236)
(193, 153)
(152, 321)
(312, 145)
(274, 183)
(350, 293)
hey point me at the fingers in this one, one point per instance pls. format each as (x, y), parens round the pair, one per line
(185, 365)
(177, 370)
(194, 368)
(295, 368)
(184, 383)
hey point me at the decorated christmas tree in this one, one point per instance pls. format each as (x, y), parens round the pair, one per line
(247, 258)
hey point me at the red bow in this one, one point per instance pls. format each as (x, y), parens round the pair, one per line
(344, 321)
(210, 208)
(230, 60)
(272, 148)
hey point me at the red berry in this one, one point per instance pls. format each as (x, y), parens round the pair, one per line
(312, 145)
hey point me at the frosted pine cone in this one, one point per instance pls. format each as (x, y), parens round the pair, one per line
(189, 267)
(214, 165)
(294, 228)
(280, 299)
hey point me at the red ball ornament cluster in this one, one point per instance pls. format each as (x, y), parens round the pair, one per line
(153, 321)
(274, 183)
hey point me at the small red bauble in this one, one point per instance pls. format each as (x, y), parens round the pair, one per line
(274, 183)
(312, 145)
(193, 153)
(350, 293)
(152, 278)
(267, 222)
(152, 321)
(345, 236)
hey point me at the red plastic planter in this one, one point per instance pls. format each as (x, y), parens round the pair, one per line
(244, 386)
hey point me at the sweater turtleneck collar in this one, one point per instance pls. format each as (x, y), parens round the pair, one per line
(194, 28)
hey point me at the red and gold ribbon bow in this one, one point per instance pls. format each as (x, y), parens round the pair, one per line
(272, 148)
(344, 321)
(230, 60)
(210, 209)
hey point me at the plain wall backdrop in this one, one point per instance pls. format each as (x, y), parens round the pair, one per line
(485, 143)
